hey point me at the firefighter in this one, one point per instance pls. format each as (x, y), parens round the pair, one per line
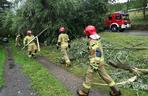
(32, 48)
(63, 42)
(18, 40)
(96, 60)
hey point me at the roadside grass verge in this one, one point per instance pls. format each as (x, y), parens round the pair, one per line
(43, 82)
(2, 61)
(114, 40)
(137, 18)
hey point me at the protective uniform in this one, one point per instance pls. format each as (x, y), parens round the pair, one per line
(63, 42)
(18, 40)
(32, 48)
(96, 60)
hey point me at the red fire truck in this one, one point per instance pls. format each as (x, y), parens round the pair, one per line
(117, 21)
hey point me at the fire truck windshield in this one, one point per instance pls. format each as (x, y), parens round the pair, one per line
(125, 16)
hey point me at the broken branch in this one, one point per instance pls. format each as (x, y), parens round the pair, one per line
(127, 67)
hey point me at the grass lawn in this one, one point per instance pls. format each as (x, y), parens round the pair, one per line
(137, 18)
(43, 82)
(2, 61)
(117, 40)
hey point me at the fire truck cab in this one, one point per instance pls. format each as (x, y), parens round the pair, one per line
(117, 21)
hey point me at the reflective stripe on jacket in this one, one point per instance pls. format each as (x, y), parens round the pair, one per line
(96, 51)
(27, 39)
(63, 39)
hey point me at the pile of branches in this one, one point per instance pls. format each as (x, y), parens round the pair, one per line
(79, 51)
(124, 64)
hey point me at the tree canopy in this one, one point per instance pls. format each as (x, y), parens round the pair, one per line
(4, 4)
(37, 14)
(131, 4)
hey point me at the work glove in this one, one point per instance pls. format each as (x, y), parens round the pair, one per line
(57, 46)
(69, 46)
(115, 92)
(94, 66)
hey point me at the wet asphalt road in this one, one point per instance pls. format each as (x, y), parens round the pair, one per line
(135, 32)
(16, 83)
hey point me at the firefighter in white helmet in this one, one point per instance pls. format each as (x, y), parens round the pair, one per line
(32, 48)
(18, 40)
(96, 60)
(63, 42)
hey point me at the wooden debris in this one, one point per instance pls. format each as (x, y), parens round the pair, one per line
(130, 80)
(127, 67)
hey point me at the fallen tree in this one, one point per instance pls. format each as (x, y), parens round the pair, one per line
(131, 69)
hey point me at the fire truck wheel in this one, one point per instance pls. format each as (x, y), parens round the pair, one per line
(121, 30)
(114, 28)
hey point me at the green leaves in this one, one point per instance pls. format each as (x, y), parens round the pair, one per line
(116, 48)
(73, 14)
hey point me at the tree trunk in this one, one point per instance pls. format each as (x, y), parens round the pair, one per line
(127, 6)
(144, 8)
(144, 13)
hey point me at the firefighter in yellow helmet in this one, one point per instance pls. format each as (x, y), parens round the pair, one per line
(63, 42)
(96, 60)
(32, 48)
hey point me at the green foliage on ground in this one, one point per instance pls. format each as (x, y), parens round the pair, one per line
(43, 82)
(2, 61)
(139, 58)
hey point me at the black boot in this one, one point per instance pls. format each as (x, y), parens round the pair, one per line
(30, 54)
(115, 91)
(33, 55)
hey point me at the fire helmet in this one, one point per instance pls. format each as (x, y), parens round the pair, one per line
(90, 30)
(29, 32)
(62, 29)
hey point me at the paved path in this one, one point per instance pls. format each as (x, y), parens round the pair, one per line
(71, 81)
(17, 84)
(137, 33)
(133, 32)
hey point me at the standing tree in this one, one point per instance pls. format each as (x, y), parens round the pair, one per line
(4, 5)
(127, 4)
(141, 4)
(74, 14)
(144, 7)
